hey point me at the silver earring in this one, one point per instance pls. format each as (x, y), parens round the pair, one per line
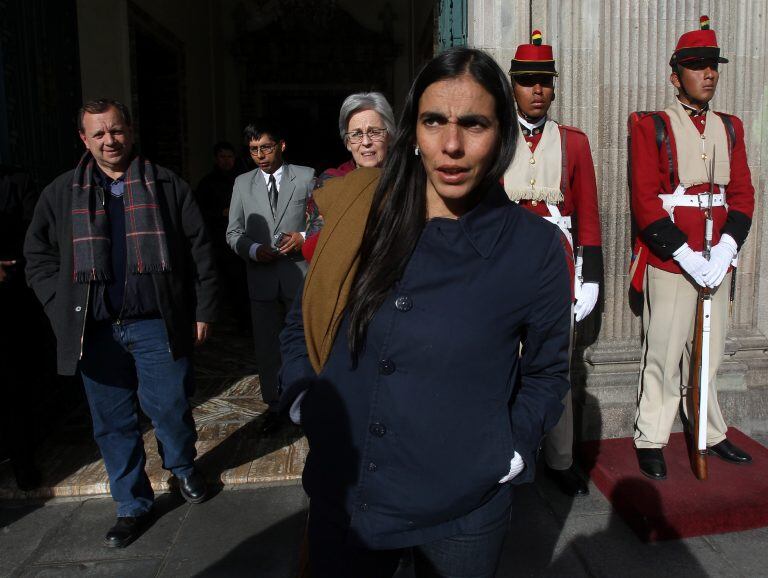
(416, 150)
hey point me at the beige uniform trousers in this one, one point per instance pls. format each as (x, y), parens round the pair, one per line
(669, 312)
(558, 443)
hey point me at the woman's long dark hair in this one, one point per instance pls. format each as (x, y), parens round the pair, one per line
(398, 210)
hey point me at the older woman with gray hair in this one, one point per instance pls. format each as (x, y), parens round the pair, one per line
(366, 123)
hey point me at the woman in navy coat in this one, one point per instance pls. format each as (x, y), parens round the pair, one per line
(429, 353)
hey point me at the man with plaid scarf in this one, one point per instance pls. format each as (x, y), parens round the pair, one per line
(118, 255)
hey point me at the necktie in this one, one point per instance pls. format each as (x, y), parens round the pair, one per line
(273, 195)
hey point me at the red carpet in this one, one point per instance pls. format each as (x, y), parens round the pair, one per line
(734, 498)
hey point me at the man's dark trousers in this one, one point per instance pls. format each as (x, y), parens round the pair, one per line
(122, 364)
(268, 318)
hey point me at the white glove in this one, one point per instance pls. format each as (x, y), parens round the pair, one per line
(692, 263)
(720, 259)
(295, 412)
(586, 301)
(516, 465)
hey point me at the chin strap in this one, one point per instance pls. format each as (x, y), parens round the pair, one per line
(683, 92)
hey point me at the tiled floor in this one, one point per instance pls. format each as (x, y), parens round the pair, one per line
(227, 408)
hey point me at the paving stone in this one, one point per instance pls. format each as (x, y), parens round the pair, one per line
(258, 533)
(533, 540)
(608, 547)
(564, 506)
(82, 539)
(761, 438)
(121, 568)
(243, 533)
(747, 551)
(23, 527)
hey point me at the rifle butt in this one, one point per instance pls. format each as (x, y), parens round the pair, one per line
(699, 464)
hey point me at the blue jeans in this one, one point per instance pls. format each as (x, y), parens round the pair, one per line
(124, 366)
(474, 553)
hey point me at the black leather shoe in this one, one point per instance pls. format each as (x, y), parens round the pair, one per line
(652, 463)
(725, 450)
(125, 531)
(273, 421)
(569, 482)
(193, 488)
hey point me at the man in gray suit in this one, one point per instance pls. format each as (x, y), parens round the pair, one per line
(267, 223)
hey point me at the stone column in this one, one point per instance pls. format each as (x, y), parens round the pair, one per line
(612, 57)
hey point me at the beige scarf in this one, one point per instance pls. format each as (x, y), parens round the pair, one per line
(694, 150)
(535, 175)
(344, 203)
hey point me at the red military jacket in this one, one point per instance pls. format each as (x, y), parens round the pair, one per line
(579, 198)
(650, 177)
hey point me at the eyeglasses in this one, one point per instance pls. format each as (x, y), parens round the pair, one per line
(263, 149)
(375, 134)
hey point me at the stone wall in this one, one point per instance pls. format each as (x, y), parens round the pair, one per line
(612, 57)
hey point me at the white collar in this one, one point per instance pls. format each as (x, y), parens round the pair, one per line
(529, 125)
(278, 175)
(694, 111)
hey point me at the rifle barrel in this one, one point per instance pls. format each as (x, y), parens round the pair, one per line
(698, 387)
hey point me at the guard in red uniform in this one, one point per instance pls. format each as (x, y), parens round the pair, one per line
(552, 175)
(671, 155)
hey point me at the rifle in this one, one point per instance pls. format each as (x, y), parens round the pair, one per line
(698, 378)
(578, 275)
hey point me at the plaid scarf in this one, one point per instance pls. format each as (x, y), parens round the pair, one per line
(146, 249)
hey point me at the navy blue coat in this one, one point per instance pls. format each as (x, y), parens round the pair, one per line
(411, 444)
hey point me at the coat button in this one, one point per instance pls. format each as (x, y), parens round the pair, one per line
(363, 507)
(372, 467)
(386, 367)
(404, 303)
(378, 429)
(78, 309)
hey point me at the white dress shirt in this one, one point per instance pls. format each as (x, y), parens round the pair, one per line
(278, 174)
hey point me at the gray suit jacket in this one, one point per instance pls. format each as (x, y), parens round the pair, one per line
(251, 221)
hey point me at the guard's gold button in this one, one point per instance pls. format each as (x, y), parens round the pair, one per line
(532, 161)
(703, 156)
(533, 182)
(530, 145)
(534, 203)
